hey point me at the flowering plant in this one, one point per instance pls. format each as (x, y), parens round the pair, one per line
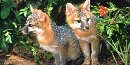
(114, 25)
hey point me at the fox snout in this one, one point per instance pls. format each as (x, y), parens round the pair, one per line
(25, 29)
(84, 25)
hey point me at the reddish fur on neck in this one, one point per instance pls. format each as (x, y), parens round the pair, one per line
(86, 33)
(48, 35)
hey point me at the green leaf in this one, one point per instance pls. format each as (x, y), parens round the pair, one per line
(129, 47)
(14, 24)
(48, 55)
(24, 11)
(4, 0)
(102, 29)
(112, 6)
(7, 33)
(128, 8)
(128, 21)
(52, 1)
(13, 5)
(3, 44)
(33, 49)
(17, 16)
(10, 3)
(109, 32)
(5, 12)
(8, 38)
(20, 13)
(50, 8)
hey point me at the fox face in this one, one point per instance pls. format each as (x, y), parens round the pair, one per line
(78, 17)
(32, 23)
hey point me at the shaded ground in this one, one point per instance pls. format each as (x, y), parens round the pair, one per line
(25, 58)
(14, 60)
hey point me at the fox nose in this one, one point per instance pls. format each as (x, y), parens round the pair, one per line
(86, 27)
(25, 29)
(23, 32)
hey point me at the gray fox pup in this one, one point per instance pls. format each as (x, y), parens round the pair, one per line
(59, 40)
(82, 22)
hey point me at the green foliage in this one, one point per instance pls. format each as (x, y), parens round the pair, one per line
(5, 12)
(48, 55)
(24, 11)
(3, 44)
(7, 6)
(12, 19)
(114, 28)
(36, 57)
(7, 24)
(49, 7)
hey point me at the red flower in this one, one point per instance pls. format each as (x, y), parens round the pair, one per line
(102, 11)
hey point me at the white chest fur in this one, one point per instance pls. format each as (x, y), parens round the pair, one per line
(50, 48)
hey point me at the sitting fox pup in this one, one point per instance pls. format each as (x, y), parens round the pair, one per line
(82, 23)
(59, 40)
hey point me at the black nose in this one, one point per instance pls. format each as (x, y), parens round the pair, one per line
(25, 30)
(86, 27)
(86, 24)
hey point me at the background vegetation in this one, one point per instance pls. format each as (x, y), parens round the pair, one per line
(113, 24)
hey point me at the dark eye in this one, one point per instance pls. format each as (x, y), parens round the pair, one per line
(78, 21)
(87, 19)
(30, 25)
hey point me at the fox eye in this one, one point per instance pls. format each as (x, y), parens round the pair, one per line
(78, 21)
(30, 25)
(87, 19)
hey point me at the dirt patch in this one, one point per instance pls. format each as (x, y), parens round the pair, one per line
(24, 57)
(16, 60)
(10, 59)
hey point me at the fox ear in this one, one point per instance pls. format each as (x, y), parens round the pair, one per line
(69, 8)
(40, 15)
(86, 5)
(32, 9)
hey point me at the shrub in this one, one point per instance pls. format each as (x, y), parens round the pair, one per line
(113, 24)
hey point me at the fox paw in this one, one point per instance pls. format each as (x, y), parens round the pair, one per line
(86, 64)
(95, 63)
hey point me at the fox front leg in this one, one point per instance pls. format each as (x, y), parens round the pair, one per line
(95, 47)
(57, 59)
(60, 58)
(86, 52)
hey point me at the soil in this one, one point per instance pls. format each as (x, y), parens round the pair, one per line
(24, 57)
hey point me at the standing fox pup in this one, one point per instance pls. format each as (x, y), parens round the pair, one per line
(59, 40)
(82, 23)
